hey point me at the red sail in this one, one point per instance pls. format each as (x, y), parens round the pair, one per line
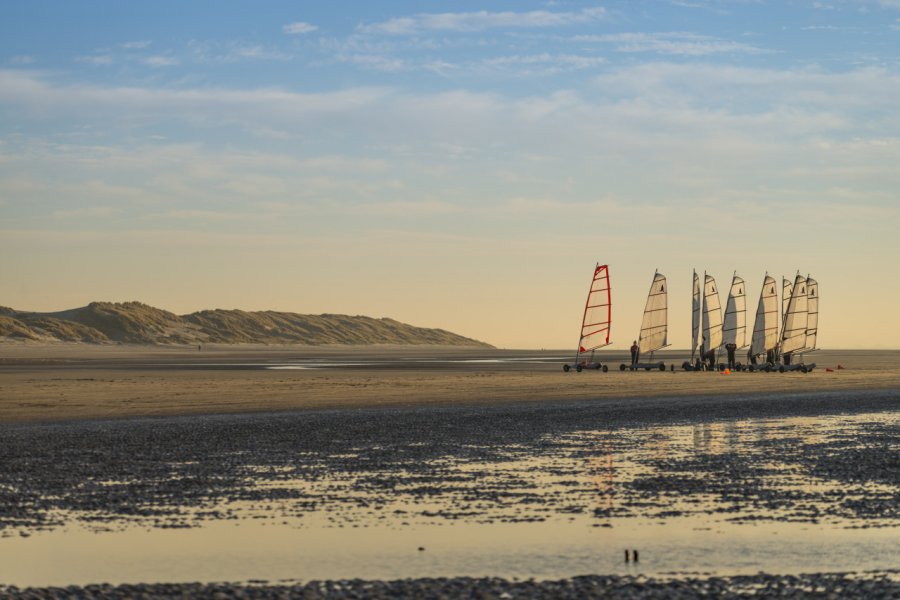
(597, 312)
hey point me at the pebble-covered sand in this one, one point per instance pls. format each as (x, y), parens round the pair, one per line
(827, 585)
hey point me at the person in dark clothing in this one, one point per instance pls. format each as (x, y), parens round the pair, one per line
(711, 359)
(635, 352)
(730, 347)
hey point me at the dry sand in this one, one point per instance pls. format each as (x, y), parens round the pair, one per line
(64, 382)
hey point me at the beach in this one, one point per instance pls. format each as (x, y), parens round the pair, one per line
(63, 382)
(323, 472)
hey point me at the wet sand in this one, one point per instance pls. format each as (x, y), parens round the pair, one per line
(492, 462)
(64, 382)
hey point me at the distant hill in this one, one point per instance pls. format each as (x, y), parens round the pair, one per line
(137, 323)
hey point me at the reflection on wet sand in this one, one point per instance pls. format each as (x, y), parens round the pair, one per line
(734, 496)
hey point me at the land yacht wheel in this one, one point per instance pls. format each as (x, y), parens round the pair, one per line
(578, 368)
(662, 366)
(803, 369)
(622, 367)
(781, 369)
(605, 368)
(566, 368)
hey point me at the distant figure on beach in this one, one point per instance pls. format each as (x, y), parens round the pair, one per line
(730, 347)
(635, 352)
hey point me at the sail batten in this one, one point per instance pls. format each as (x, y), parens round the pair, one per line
(597, 319)
(654, 327)
(734, 328)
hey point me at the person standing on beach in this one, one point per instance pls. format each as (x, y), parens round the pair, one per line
(730, 347)
(635, 352)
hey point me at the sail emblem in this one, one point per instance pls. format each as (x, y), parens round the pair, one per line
(662, 289)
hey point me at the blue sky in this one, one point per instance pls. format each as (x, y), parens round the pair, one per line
(457, 165)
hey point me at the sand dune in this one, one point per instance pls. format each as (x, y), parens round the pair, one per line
(137, 323)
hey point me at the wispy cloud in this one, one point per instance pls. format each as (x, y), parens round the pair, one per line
(377, 62)
(22, 59)
(299, 27)
(480, 21)
(216, 52)
(96, 59)
(259, 52)
(160, 61)
(543, 64)
(136, 45)
(677, 43)
(92, 212)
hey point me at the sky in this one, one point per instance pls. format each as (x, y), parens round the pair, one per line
(461, 165)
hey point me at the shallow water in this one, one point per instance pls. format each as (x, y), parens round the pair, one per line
(227, 551)
(779, 495)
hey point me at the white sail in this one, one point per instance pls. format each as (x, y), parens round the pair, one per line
(765, 328)
(654, 327)
(712, 315)
(796, 318)
(812, 306)
(695, 315)
(786, 289)
(734, 329)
